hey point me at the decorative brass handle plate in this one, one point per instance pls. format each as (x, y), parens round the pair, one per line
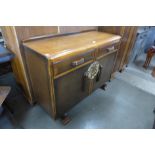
(92, 70)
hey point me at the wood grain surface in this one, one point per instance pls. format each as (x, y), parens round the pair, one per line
(58, 47)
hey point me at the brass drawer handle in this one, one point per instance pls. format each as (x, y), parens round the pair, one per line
(110, 49)
(78, 62)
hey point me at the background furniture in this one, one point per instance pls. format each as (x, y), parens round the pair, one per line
(128, 34)
(5, 60)
(4, 91)
(150, 54)
(68, 68)
(153, 72)
(5, 55)
(140, 43)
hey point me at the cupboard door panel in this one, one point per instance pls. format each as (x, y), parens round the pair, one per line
(107, 64)
(71, 89)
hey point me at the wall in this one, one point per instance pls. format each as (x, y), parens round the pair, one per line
(26, 32)
(72, 29)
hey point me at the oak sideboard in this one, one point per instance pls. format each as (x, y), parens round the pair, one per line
(65, 69)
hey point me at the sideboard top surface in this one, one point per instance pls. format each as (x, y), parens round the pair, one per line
(61, 46)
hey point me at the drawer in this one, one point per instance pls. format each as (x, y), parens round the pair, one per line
(73, 61)
(107, 49)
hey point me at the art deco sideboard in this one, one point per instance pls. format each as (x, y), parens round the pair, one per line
(65, 69)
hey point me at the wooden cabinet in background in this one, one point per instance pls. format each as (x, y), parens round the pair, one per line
(128, 34)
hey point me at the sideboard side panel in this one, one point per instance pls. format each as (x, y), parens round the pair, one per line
(39, 77)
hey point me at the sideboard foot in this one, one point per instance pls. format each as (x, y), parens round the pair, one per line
(121, 70)
(65, 119)
(104, 87)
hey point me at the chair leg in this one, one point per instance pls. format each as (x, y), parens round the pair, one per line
(153, 72)
(145, 64)
(149, 61)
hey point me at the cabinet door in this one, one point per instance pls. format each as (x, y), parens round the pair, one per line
(71, 89)
(107, 63)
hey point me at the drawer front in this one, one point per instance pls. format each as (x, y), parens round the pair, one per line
(108, 49)
(73, 62)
